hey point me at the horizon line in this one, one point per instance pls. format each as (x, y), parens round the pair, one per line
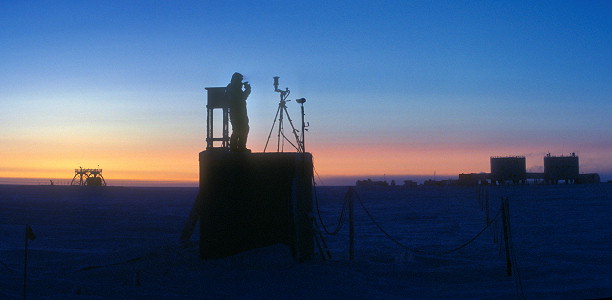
(333, 180)
(325, 180)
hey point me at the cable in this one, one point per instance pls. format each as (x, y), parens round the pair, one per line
(340, 218)
(342, 211)
(421, 251)
(7, 267)
(110, 265)
(516, 272)
(317, 173)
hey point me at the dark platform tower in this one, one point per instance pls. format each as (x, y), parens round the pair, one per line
(252, 200)
(255, 200)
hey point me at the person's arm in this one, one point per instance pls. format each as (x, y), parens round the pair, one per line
(247, 90)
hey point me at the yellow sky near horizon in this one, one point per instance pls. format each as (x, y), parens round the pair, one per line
(179, 162)
(116, 86)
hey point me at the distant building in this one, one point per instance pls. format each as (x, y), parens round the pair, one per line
(513, 169)
(446, 182)
(558, 168)
(508, 168)
(474, 179)
(370, 182)
(410, 183)
(588, 178)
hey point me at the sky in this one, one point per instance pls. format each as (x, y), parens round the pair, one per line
(393, 88)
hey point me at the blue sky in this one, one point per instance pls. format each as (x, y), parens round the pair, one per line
(393, 87)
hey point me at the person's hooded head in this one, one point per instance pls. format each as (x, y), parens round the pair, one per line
(237, 78)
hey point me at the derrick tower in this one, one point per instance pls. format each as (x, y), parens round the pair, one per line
(88, 177)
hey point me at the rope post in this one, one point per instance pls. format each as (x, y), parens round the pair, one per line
(29, 235)
(25, 266)
(316, 234)
(480, 198)
(505, 215)
(487, 207)
(351, 224)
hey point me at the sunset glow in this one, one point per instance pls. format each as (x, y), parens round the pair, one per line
(392, 88)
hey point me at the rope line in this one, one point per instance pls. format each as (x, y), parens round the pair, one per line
(8, 267)
(515, 270)
(87, 268)
(417, 251)
(340, 218)
(317, 173)
(492, 223)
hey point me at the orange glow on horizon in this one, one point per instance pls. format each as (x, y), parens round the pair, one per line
(162, 163)
(179, 163)
(182, 165)
(390, 160)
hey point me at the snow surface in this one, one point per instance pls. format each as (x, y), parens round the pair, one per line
(123, 242)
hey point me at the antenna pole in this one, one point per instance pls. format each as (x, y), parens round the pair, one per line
(280, 114)
(303, 128)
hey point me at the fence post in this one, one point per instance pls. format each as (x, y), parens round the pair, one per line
(487, 208)
(25, 266)
(505, 215)
(351, 225)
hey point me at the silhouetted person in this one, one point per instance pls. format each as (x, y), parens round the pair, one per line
(238, 112)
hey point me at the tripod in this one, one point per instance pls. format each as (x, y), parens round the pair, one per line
(280, 112)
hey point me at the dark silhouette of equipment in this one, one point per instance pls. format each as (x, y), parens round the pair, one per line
(217, 100)
(280, 113)
(88, 177)
(301, 101)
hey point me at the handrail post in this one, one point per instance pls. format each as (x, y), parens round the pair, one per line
(351, 225)
(488, 213)
(505, 215)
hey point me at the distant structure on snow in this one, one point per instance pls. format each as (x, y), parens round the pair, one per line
(88, 177)
(512, 169)
(370, 182)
